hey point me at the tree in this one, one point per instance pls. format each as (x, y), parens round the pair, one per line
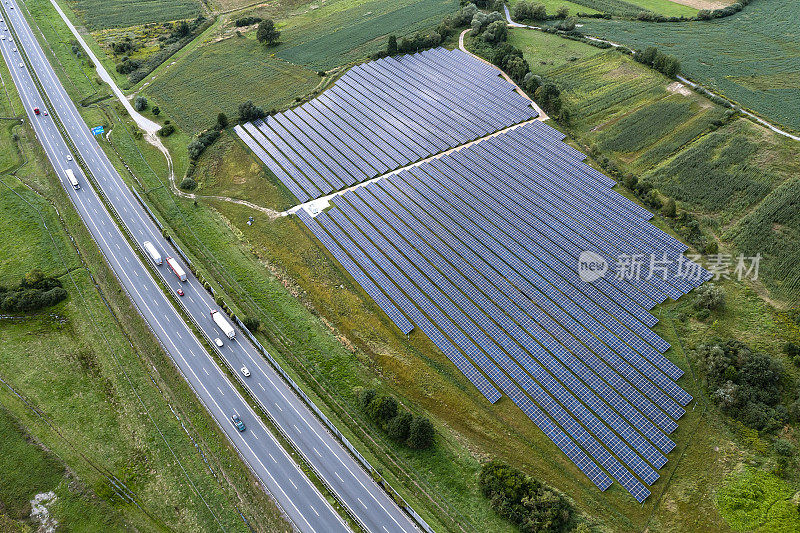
(188, 184)
(562, 13)
(495, 32)
(709, 296)
(156, 110)
(140, 103)
(365, 398)
(391, 47)
(399, 426)
(249, 111)
(166, 130)
(667, 65)
(222, 121)
(383, 409)
(646, 56)
(267, 33)
(421, 433)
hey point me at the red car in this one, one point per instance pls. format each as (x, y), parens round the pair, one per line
(35, 110)
(180, 292)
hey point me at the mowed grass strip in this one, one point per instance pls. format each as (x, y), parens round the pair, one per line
(101, 14)
(217, 77)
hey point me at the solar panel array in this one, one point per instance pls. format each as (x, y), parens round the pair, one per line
(383, 115)
(479, 249)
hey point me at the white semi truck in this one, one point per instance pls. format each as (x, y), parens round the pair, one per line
(223, 324)
(155, 257)
(72, 179)
(176, 268)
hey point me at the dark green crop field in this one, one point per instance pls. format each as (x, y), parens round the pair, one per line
(752, 57)
(101, 14)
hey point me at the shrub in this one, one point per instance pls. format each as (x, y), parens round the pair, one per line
(156, 110)
(527, 503)
(140, 103)
(188, 184)
(420, 433)
(365, 398)
(34, 292)
(383, 409)
(252, 323)
(709, 296)
(400, 426)
(166, 130)
(247, 21)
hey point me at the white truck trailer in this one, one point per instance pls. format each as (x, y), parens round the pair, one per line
(223, 324)
(72, 179)
(176, 268)
(155, 257)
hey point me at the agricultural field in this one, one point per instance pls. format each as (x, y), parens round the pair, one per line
(102, 14)
(632, 8)
(552, 6)
(338, 32)
(751, 57)
(227, 73)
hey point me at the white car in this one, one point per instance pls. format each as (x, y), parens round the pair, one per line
(69, 157)
(22, 65)
(245, 372)
(218, 342)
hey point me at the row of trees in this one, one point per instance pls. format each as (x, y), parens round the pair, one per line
(402, 426)
(652, 56)
(527, 503)
(534, 11)
(34, 292)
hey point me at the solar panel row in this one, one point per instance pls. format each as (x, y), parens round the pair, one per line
(479, 249)
(383, 115)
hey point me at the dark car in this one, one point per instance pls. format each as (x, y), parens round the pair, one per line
(237, 422)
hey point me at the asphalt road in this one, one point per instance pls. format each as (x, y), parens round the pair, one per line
(300, 500)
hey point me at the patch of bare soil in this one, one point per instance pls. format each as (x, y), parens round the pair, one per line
(679, 88)
(703, 4)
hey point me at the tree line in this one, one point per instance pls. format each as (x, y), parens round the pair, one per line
(34, 292)
(399, 424)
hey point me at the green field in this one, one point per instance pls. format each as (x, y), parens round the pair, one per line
(219, 76)
(752, 57)
(326, 35)
(552, 6)
(631, 8)
(100, 14)
(543, 53)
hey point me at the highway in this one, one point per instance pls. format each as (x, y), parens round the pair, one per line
(303, 504)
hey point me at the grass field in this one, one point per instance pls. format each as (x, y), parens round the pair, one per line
(323, 36)
(552, 6)
(631, 8)
(227, 73)
(100, 14)
(751, 57)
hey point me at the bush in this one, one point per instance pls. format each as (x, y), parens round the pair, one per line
(252, 323)
(140, 103)
(524, 501)
(383, 409)
(400, 426)
(156, 110)
(709, 296)
(203, 141)
(420, 433)
(188, 184)
(365, 398)
(166, 130)
(247, 21)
